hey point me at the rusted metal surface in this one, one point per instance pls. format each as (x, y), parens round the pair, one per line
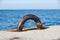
(27, 17)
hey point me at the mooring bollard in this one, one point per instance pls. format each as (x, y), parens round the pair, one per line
(27, 17)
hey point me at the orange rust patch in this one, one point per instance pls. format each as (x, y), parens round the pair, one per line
(11, 31)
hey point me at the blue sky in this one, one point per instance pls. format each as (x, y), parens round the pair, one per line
(29, 4)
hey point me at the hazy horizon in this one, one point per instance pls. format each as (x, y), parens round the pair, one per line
(29, 4)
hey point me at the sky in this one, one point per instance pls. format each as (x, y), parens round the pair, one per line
(29, 4)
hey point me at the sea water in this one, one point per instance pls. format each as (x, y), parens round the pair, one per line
(9, 19)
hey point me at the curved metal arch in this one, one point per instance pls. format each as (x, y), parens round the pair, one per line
(27, 17)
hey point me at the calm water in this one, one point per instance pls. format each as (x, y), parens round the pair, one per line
(10, 18)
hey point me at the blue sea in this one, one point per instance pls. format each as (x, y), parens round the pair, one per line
(9, 19)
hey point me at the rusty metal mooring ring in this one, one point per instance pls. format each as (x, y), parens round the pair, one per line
(25, 18)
